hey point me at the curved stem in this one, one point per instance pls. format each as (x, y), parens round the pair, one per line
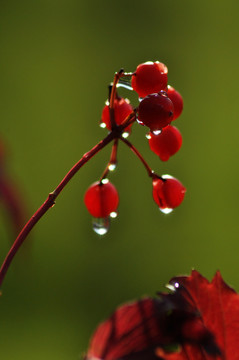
(137, 153)
(112, 161)
(50, 201)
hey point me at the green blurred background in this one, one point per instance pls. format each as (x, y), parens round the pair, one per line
(56, 61)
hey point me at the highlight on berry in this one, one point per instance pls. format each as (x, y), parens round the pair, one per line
(159, 105)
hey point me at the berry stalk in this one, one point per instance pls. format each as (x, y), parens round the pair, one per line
(137, 153)
(50, 201)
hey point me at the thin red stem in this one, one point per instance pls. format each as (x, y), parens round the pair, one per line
(137, 153)
(50, 201)
(112, 161)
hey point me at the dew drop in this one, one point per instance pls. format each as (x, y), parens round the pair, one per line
(105, 181)
(113, 214)
(166, 210)
(112, 166)
(148, 136)
(156, 132)
(102, 125)
(101, 225)
(140, 99)
(125, 134)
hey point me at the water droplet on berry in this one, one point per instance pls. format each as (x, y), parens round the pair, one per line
(148, 136)
(157, 132)
(125, 134)
(101, 225)
(102, 125)
(166, 210)
(113, 214)
(112, 166)
(105, 181)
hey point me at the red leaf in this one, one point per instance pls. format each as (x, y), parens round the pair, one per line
(218, 305)
(199, 316)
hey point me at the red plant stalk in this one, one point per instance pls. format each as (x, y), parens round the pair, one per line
(50, 201)
(115, 134)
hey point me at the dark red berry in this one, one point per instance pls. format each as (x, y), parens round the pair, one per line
(101, 199)
(168, 192)
(150, 77)
(167, 143)
(177, 101)
(155, 111)
(122, 109)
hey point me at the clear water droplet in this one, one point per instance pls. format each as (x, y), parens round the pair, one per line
(166, 210)
(140, 99)
(125, 134)
(113, 214)
(148, 136)
(105, 181)
(101, 225)
(157, 132)
(102, 125)
(112, 166)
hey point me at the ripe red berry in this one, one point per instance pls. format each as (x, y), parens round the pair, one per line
(155, 111)
(177, 101)
(101, 199)
(167, 143)
(150, 77)
(122, 109)
(168, 192)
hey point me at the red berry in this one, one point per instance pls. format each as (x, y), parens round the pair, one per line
(168, 192)
(155, 111)
(150, 77)
(101, 199)
(122, 109)
(167, 143)
(177, 101)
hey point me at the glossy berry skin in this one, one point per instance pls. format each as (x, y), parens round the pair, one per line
(168, 192)
(177, 101)
(167, 143)
(155, 111)
(101, 199)
(150, 77)
(122, 109)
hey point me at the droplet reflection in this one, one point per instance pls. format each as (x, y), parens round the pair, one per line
(157, 132)
(102, 125)
(166, 210)
(112, 166)
(113, 214)
(101, 225)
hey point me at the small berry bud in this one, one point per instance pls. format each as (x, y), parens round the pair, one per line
(168, 192)
(167, 143)
(155, 111)
(150, 77)
(101, 199)
(177, 101)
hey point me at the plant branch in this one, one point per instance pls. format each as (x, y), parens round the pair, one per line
(112, 161)
(137, 153)
(50, 201)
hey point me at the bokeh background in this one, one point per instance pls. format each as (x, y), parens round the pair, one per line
(56, 61)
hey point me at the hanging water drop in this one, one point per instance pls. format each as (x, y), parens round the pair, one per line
(113, 214)
(102, 125)
(156, 132)
(125, 134)
(101, 225)
(166, 210)
(112, 166)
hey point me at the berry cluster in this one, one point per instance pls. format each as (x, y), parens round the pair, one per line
(159, 105)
